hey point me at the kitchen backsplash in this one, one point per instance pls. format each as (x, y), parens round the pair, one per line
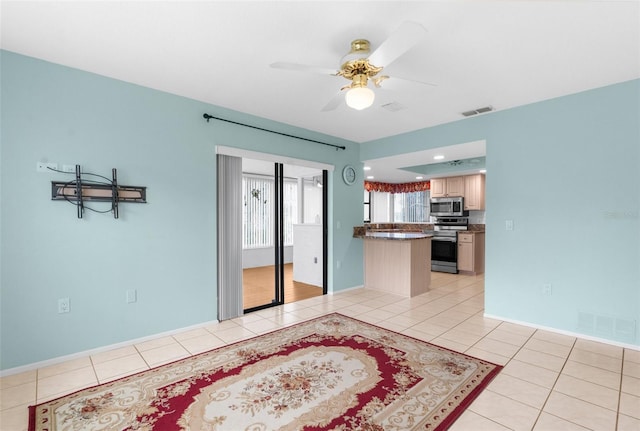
(476, 217)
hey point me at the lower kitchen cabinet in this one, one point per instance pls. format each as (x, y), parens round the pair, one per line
(471, 253)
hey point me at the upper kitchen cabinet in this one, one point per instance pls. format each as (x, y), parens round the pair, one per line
(438, 187)
(474, 192)
(447, 187)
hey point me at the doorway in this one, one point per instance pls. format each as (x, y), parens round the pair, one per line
(229, 162)
(284, 235)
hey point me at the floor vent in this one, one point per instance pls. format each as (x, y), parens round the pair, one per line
(477, 111)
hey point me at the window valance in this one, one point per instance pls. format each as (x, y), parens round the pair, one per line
(421, 186)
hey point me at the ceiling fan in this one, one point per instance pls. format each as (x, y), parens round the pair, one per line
(364, 68)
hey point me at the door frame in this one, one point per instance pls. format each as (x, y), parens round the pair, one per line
(276, 159)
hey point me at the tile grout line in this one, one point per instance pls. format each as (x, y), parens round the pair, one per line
(541, 409)
(142, 357)
(35, 402)
(554, 385)
(482, 338)
(445, 310)
(620, 389)
(93, 367)
(191, 355)
(617, 411)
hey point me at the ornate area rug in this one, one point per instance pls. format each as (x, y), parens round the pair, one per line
(330, 373)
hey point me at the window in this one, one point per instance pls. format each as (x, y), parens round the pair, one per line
(398, 207)
(312, 192)
(290, 209)
(367, 206)
(257, 214)
(411, 207)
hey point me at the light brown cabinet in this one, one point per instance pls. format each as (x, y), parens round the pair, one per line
(447, 187)
(397, 266)
(438, 187)
(470, 187)
(474, 192)
(471, 253)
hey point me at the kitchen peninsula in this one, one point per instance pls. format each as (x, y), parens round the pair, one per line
(397, 262)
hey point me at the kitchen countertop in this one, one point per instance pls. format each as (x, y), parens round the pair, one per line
(397, 235)
(476, 228)
(361, 231)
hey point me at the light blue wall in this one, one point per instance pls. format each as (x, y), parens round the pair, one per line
(555, 168)
(165, 249)
(567, 172)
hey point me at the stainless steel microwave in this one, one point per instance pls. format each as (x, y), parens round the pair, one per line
(448, 207)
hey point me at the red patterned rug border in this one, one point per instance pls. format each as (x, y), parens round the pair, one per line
(450, 419)
(453, 416)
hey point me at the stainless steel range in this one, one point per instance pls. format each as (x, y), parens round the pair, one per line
(444, 244)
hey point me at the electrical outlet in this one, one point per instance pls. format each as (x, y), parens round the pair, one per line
(508, 225)
(63, 305)
(46, 167)
(131, 296)
(547, 290)
(68, 168)
(315, 260)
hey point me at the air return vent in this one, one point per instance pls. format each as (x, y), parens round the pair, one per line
(393, 107)
(478, 111)
(611, 327)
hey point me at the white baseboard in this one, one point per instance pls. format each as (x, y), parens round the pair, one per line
(60, 359)
(563, 332)
(348, 289)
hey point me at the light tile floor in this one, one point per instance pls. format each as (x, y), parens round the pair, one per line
(549, 381)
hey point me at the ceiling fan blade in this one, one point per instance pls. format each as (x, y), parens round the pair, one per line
(396, 83)
(400, 41)
(303, 68)
(335, 101)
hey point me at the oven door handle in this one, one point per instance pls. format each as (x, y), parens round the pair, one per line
(444, 239)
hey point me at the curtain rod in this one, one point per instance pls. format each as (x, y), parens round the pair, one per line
(211, 117)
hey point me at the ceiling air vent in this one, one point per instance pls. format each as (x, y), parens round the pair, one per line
(477, 111)
(393, 107)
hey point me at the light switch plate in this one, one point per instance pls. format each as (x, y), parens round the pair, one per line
(64, 305)
(131, 296)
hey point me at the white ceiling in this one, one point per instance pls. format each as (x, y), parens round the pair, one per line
(479, 53)
(390, 169)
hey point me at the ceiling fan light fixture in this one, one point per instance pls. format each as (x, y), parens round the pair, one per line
(360, 98)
